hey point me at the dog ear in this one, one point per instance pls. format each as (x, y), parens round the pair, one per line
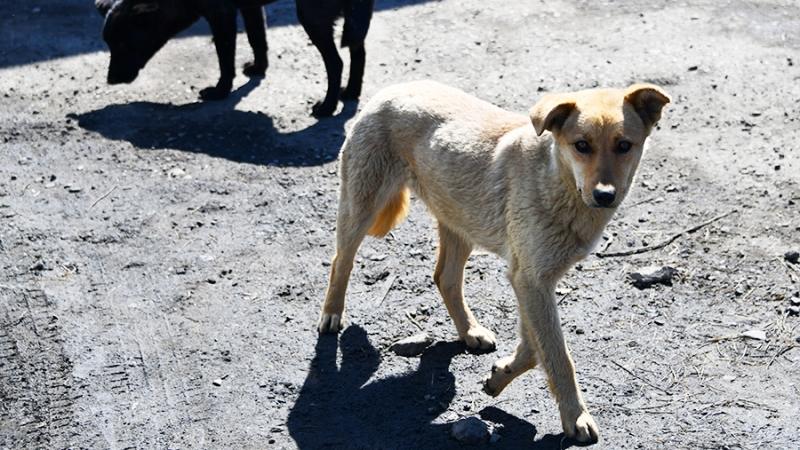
(648, 101)
(551, 112)
(104, 6)
(144, 8)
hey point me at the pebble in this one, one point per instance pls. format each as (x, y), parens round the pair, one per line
(729, 378)
(648, 276)
(793, 310)
(792, 256)
(412, 346)
(176, 173)
(217, 382)
(470, 430)
(759, 335)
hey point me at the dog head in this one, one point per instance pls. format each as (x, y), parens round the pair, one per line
(599, 136)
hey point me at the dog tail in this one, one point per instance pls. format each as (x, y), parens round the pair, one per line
(392, 214)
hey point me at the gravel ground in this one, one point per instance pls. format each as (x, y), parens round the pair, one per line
(163, 261)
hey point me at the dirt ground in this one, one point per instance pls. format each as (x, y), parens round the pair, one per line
(163, 261)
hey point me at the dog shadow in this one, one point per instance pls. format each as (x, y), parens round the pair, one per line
(339, 407)
(219, 130)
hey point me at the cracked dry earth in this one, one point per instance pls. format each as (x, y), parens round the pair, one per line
(163, 261)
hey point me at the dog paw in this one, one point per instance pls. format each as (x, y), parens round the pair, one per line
(350, 93)
(583, 429)
(323, 109)
(214, 93)
(499, 377)
(254, 69)
(480, 338)
(330, 323)
(489, 389)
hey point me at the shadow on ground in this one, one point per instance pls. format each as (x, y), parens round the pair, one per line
(219, 130)
(338, 409)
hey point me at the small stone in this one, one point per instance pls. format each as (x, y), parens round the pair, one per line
(728, 378)
(795, 301)
(217, 382)
(470, 431)
(758, 335)
(658, 322)
(176, 173)
(74, 189)
(793, 310)
(648, 276)
(792, 256)
(49, 185)
(412, 346)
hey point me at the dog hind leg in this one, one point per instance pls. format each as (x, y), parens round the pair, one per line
(373, 199)
(317, 19)
(454, 251)
(255, 24)
(357, 16)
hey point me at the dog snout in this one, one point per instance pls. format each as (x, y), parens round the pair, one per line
(604, 195)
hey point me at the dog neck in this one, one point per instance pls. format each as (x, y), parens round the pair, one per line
(583, 222)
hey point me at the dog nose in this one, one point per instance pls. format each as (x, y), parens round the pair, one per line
(604, 196)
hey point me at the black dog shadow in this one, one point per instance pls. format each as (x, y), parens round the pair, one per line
(338, 408)
(219, 130)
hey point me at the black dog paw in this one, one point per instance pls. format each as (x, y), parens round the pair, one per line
(323, 109)
(255, 69)
(214, 93)
(350, 93)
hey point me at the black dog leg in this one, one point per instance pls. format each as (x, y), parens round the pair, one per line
(357, 59)
(223, 29)
(317, 19)
(357, 16)
(255, 23)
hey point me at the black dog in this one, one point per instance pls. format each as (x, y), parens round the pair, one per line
(136, 29)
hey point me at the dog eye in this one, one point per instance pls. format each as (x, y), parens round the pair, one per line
(624, 147)
(583, 147)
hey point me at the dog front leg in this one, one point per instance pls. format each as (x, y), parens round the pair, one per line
(540, 322)
(506, 369)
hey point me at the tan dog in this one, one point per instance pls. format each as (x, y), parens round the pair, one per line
(540, 200)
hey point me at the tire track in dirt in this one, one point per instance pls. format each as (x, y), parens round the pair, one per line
(37, 391)
(143, 385)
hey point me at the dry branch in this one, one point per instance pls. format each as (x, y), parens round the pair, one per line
(666, 242)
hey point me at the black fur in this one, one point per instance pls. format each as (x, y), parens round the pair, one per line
(136, 29)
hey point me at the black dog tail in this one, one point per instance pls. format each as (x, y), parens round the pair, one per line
(357, 15)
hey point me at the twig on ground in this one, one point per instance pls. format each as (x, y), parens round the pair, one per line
(666, 242)
(386, 291)
(780, 353)
(408, 315)
(640, 378)
(102, 197)
(642, 202)
(608, 244)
